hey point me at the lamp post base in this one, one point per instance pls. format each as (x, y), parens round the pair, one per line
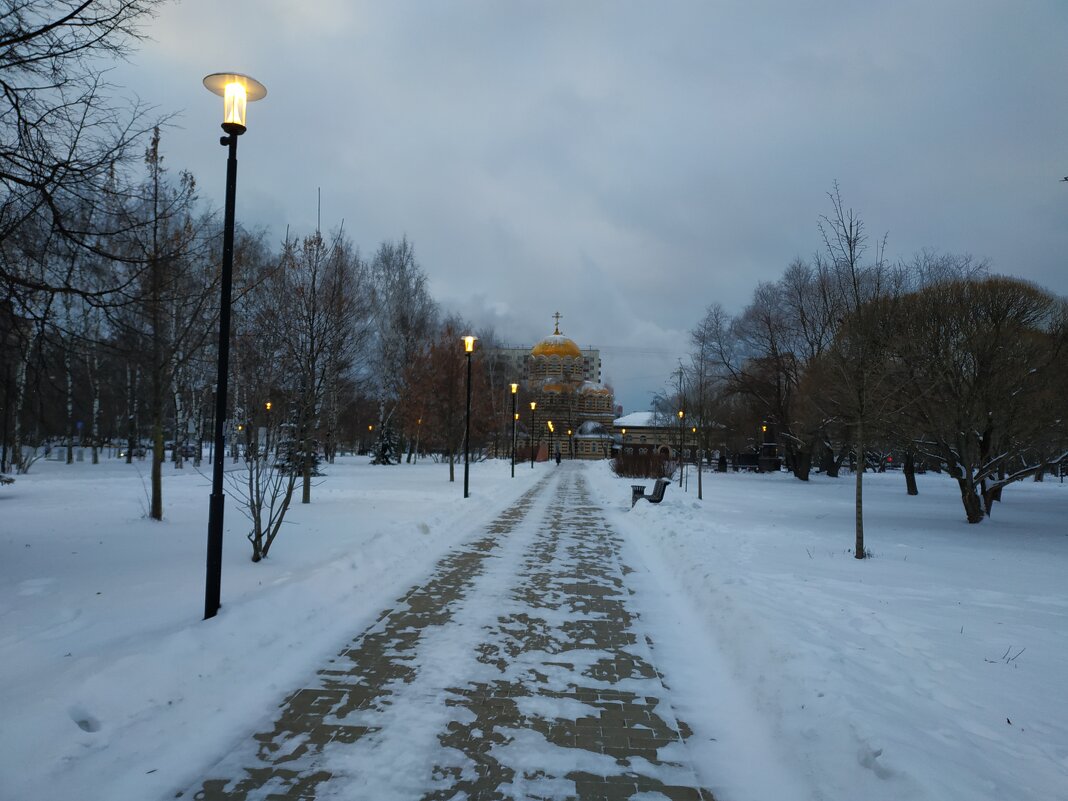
(213, 582)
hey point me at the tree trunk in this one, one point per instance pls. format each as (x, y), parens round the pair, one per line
(20, 397)
(305, 493)
(991, 496)
(859, 552)
(802, 464)
(68, 368)
(909, 469)
(452, 466)
(156, 512)
(131, 413)
(94, 414)
(973, 509)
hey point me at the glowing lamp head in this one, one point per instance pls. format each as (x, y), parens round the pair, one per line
(764, 428)
(268, 405)
(533, 405)
(693, 430)
(370, 428)
(517, 415)
(680, 414)
(515, 388)
(237, 91)
(624, 432)
(469, 344)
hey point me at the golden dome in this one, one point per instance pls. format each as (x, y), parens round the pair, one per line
(556, 344)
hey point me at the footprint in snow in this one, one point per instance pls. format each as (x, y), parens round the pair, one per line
(83, 719)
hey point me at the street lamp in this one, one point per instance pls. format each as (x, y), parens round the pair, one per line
(570, 445)
(236, 90)
(469, 347)
(549, 423)
(682, 461)
(533, 405)
(267, 435)
(699, 451)
(515, 416)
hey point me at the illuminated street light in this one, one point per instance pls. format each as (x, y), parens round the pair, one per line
(533, 405)
(469, 347)
(515, 416)
(236, 90)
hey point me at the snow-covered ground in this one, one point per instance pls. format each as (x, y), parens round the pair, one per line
(933, 671)
(113, 688)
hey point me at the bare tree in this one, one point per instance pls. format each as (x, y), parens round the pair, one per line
(168, 321)
(863, 387)
(983, 361)
(404, 318)
(63, 135)
(318, 324)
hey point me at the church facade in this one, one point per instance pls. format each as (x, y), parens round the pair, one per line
(573, 410)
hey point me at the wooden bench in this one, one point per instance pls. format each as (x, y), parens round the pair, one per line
(6, 480)
(637, 492)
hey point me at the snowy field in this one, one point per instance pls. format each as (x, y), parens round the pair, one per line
(935, 670)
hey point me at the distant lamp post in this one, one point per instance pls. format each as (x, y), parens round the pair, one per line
(682, 461)
(236, 90)
(533, 405)
(570, 445)
(768, 461)
(267, 434)
(469, 348)
(699, 454)
(515, 416)
(549, 425)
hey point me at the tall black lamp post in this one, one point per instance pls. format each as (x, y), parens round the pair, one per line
(533, 404)
(469, 347)
(515, 417)
(236, 90)
(682, 460)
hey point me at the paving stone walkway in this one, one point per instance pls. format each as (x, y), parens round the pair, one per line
(517, 671)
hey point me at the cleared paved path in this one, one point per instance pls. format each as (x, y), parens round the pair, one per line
(517, 671)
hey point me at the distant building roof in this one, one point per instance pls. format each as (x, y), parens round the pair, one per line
(635, 420)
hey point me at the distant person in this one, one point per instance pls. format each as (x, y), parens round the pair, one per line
(557, 457)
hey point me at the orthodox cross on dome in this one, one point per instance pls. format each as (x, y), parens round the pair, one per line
(557, 317)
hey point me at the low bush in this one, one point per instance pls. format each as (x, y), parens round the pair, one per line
(642, 465)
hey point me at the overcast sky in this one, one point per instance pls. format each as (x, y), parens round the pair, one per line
(625, 163)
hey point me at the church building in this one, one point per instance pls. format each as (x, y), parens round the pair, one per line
(573, 411)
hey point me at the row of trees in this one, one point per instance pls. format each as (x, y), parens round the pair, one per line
(109, 279)
(936, 362)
